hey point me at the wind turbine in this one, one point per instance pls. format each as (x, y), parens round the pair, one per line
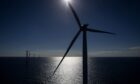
(84, 29)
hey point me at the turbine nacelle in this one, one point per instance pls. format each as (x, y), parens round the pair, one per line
(84, 27)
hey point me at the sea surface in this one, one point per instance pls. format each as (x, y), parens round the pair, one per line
(38, 70)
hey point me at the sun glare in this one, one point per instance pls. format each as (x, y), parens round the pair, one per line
(67, 1)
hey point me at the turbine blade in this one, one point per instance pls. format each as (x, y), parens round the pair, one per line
(75, 15)
(99, 31)
(69, 47)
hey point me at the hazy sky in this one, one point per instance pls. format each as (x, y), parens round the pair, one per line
(45, 27)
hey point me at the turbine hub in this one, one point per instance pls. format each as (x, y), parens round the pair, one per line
(84, 27)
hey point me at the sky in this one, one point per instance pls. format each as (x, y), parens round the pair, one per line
(46, 27)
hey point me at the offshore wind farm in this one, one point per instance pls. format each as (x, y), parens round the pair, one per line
(36, 45)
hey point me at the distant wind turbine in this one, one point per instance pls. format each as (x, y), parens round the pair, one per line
(82, 28)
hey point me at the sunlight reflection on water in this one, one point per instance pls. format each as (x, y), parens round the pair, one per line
(70, 71)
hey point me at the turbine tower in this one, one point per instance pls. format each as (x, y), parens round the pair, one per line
(84, 29)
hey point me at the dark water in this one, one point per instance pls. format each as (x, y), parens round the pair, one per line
(37, 70)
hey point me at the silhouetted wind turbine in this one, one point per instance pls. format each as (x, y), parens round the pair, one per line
(82, 28)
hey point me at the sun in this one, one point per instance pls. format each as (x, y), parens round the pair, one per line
(67, 1)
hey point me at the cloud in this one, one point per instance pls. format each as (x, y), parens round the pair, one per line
(128, 52)
(135, 48)
(104, 53)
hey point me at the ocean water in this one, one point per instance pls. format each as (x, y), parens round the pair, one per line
(37, 70)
